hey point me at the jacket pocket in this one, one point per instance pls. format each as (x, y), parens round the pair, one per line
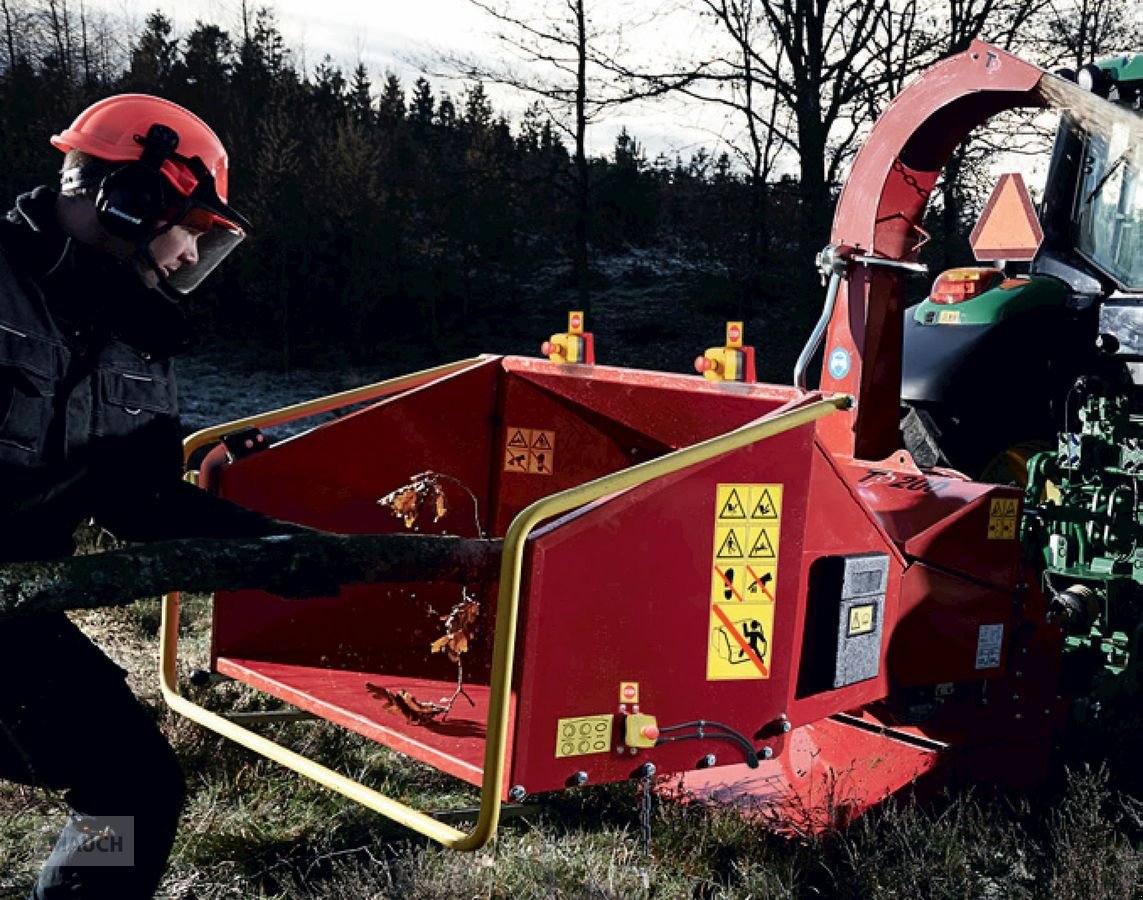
(130, 399)
(25, 411)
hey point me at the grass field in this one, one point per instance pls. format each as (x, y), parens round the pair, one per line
(252, 829)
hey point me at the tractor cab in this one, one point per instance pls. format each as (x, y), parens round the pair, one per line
(994, 352)
(1093, 204)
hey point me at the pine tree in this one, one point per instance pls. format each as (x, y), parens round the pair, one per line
(154, 56)
(391, 106)
(421, 106)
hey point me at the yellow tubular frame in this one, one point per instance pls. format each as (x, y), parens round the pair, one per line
(507, 615)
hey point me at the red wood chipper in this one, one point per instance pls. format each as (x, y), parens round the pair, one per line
(747, 585)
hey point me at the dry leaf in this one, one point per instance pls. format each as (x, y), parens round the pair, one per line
(406, 506)
(407, 501)
(405, 704)
(460, 629)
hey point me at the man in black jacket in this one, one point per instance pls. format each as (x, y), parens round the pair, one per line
(89, 283)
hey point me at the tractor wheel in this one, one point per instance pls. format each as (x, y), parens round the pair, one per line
(1010, 466)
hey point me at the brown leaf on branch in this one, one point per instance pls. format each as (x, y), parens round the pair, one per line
(405, 704)
(460, 629)
(407, 501)
(405, 505)
(460, 632)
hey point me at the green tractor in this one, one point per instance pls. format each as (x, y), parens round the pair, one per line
(1037, 379)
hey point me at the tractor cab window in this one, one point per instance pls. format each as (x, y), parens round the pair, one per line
(1108, 213)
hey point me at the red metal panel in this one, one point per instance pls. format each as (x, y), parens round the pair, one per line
(604, 419)
(331, 477)
(621, 592)
(940, 517)
(454, 745)
(669, 410)
(980, 540)
(838, 524)
(880, 211)
(832, 772)
(939, 632)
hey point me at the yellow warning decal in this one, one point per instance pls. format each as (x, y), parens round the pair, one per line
(762, 547)
(1002, 513)
(583, 735)
(529, 451)
(861, 620)
(629, 692)
(733, 507)
(740, 641)
(743, 580)
(730, 543)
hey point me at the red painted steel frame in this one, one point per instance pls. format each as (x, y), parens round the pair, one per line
(322, 654)
(880, 213)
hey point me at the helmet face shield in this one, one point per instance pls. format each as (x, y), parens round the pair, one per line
(213, 247)
(219, 227)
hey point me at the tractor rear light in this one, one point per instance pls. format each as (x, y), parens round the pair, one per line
(958, 285)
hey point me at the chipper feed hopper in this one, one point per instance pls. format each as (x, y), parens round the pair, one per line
(746, 585)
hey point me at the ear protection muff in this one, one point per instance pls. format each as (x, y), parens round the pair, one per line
(133, 196)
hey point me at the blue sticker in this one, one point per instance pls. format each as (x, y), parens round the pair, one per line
(839, 363)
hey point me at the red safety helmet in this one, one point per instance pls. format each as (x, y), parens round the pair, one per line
(118, 129)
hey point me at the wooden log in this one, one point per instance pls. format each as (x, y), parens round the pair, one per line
(293, 565)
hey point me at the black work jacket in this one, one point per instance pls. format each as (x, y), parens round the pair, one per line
(88, 403)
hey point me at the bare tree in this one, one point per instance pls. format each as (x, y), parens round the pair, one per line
(1081, 31)
(815, 64)
(573, 68)
(728, 77)
(61, 35)
(15, 25)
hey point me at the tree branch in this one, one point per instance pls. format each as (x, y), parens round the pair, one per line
(295, 565)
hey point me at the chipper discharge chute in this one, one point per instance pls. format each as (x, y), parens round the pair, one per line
(745, 584)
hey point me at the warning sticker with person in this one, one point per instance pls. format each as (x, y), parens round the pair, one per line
(529, 451)
(744, 579)
(740, 641)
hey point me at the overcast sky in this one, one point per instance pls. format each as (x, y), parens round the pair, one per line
(389, 35)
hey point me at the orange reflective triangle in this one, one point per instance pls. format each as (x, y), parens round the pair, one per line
(1008, 228)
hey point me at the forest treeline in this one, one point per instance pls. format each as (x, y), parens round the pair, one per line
(380, 209)
(387, 209)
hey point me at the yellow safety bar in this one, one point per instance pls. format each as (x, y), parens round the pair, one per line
(325, 404)
(503, 652)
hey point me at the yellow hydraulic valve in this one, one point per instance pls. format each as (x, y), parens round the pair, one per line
(574, 346)
(732, 362)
